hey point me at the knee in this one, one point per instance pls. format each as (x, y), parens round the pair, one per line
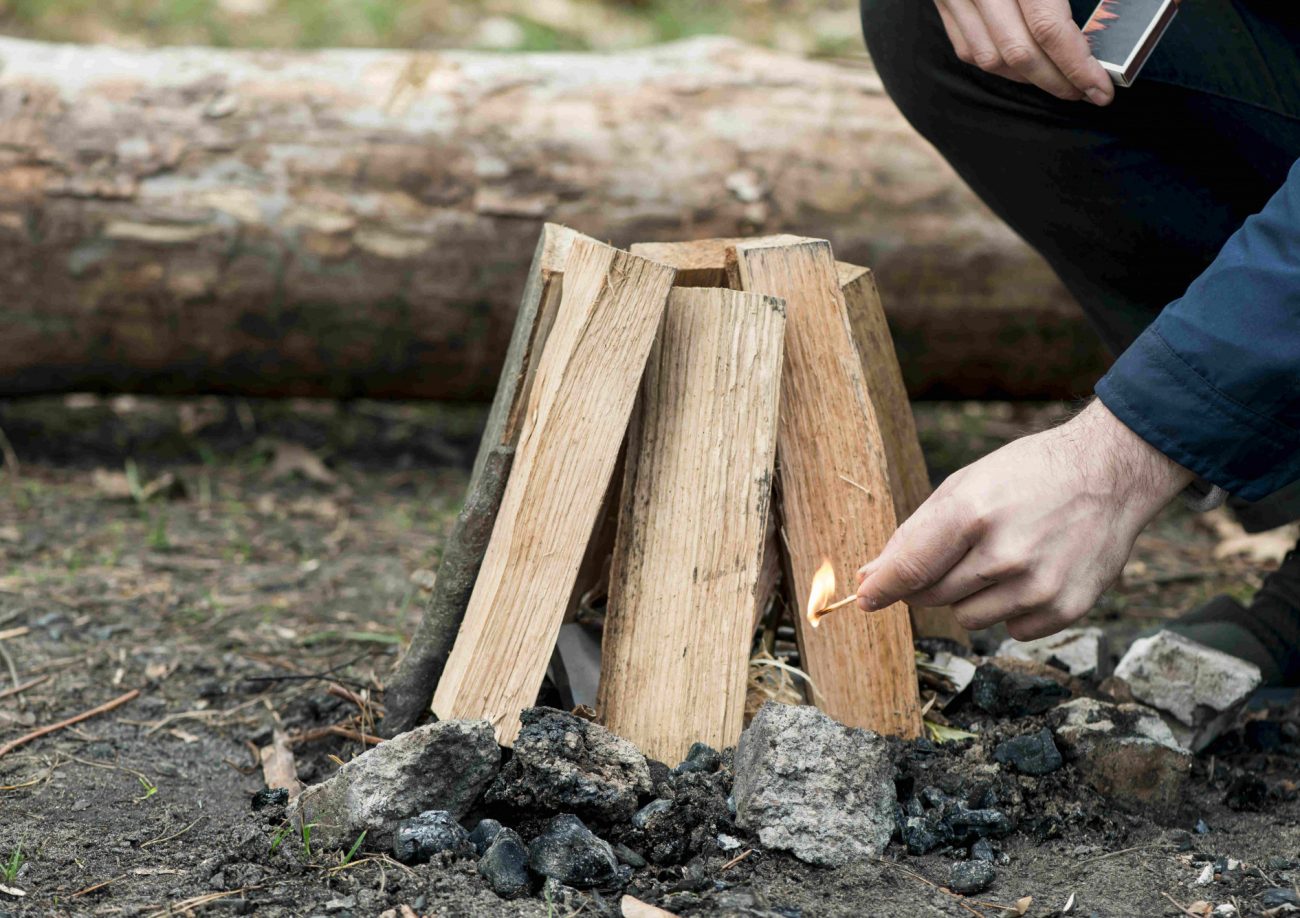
(915, 61)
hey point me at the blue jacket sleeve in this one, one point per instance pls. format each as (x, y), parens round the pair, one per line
(1214, 382)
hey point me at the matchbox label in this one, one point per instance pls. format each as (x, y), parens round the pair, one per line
(1122, 33)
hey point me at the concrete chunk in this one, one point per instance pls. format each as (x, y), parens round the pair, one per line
(1197, 689)
(442, 766)
(1082, 652)
(1125, 752)
(813, 787)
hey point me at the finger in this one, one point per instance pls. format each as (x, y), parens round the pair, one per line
(999, 603)
(960, 46)
(967, 577)
(921, 552)
(1040, 624)
(1052, 28)
(1020, 52)
(983, 53)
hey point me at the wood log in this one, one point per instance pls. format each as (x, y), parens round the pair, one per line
(836, 503)
(572, 431)
(696, 491)
(703, 263)
(359, 223)
(909, 481)
(533, 324)
(410, 690)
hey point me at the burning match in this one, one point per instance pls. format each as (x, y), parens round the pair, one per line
(823, 589)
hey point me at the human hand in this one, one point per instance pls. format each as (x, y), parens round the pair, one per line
(1029, 41)
(1032, 533)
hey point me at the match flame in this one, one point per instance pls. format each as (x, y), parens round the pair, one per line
(823, 591)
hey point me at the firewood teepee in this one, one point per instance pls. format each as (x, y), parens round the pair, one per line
(709, 395)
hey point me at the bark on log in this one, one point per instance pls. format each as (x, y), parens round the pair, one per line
(352, 223)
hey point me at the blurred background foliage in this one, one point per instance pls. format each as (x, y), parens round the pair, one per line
(823, 28)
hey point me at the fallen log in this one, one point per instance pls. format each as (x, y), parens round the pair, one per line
(358, 223)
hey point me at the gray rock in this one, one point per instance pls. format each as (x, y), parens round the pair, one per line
(1198, 689)
(813, 787)
(1126, 752)
(569, 853)
(419, 838)
(647, 813)
(1030, 754)
(563, 763)
(483, 835)
(1082, 652)
(971, 877)
(442, 766)
(505, 865)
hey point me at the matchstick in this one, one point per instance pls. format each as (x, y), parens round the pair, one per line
(815, 617)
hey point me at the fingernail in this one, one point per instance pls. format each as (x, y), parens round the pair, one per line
(1096, 96)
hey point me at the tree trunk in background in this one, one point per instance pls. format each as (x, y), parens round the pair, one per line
(360, 223)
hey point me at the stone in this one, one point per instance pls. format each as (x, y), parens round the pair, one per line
(1278, 897)
(569, 853)
(1004, 693)
(442, 766)
(1125, 752)
(483, 835)
(1197, 689)
(971, 877)
(1030, 753)
(563, 763)
(505, 865)
(421, 837)
(271, 796)
(807, 785)
(701, 757)
(673, 830)
(644, 816)
(627, 856)
(1082, 652)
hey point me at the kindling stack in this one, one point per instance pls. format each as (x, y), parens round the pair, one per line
(703, 427)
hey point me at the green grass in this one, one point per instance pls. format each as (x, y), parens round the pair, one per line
(9, 869)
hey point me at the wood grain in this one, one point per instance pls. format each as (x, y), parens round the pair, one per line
(836, 501)
(582, 396)
(909, 481)
(533, 324)
(693, 522)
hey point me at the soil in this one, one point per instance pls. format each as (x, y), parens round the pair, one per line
(287, 552)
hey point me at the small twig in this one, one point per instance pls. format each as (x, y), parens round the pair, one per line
(1102, 857)
(188, 905)
(10, 457)
(958, 897)
(1179, 907)
(736, 860)
(167, 838)
(90, 889)
(9, 664)
(53, 728)
(17, 689)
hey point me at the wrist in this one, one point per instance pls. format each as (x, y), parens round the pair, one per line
(1141, 478)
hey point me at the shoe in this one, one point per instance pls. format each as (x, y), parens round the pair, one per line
(1267, 633)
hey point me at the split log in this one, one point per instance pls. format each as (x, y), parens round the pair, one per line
(909, 481)
(358, 223)
(572, 431)
(836, 503)
(703, 263)
(410, 690)
(696, 492)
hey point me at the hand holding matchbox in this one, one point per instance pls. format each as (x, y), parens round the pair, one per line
(1123, 33)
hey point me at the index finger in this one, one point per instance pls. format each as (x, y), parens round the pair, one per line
(1051, 25)
(918, 556)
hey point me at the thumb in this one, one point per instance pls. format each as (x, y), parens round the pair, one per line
(915, 559)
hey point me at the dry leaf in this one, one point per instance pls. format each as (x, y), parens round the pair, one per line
(635, 908)
(1023, 903)
(1234, 541)
(293, 458)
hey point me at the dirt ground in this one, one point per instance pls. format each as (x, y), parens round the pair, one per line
(231, 559)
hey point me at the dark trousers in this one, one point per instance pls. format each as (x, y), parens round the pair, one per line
(1131, 202)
